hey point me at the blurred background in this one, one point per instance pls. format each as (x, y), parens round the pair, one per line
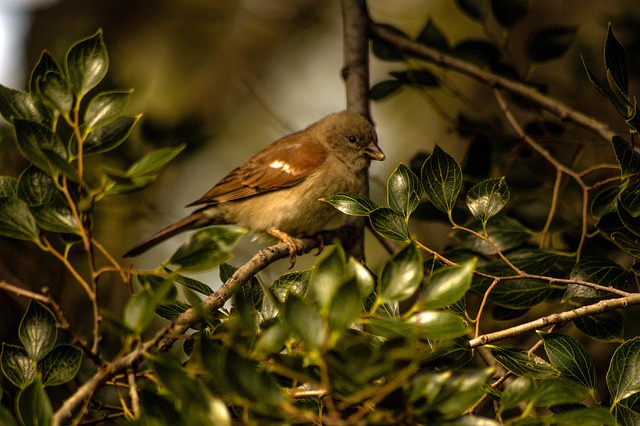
(228, 77)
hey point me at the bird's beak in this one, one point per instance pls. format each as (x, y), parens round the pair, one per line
(374, 152)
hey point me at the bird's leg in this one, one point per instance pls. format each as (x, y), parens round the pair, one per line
(294, 245)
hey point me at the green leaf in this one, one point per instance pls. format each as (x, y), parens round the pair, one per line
(106, 107)
(475, 9)
(403, 191)
(45, 64)
(207, 248)
(630, 200)
(16, 221)
(253, 383)
(55, 91)
(551, 42)
(56, 219)
(16, 104)
(441, 179)
(626, 416)
(504, 232)
(521, 389)
(6, 418)
(629, 246)
(351, 204)
(8, 187)
(384, 89)
(487, 198)
(43, 148)
(108, 136)
(180, 383)
(304, 321)
(38, 330)
(400, 275)
(364, 278)
(521, 363)
(33, 406)
(140, 308)
(172, 310)
(387, 52)
(606, 327)
(36, 187)
(390, 224)
(623, 376)
(190, 283)
(570, 358)
(328, 276)
(431, 35)
(154, 161)
(60, 365)
(447, 285)
(509, 12)
(296, 283)
(592, 416)
(438, 325)
(615, 62)
(628, 159)
(558, 391)
(416, 77)
(605, 201)
(16, 365)
(345, 307)
(597, 270)
(86, 63)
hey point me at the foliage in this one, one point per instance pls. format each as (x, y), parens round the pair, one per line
(409, 342)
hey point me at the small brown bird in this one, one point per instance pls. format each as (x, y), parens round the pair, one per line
(278, 190)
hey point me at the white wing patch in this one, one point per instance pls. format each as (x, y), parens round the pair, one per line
(278, 164)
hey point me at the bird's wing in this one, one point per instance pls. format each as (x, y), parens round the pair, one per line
(282, 164)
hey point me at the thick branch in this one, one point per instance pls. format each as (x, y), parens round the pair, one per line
(562, 111)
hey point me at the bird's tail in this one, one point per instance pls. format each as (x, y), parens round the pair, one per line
(197, 219)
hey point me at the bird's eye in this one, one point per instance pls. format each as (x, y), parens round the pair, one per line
(352, 138)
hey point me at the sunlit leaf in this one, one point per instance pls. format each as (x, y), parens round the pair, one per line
(86, 63)
(351, 204)
(38, 330)
(400, 275)
(441, 179)
(447, 285)
(487, 198)
(105, 107)
(403, 190)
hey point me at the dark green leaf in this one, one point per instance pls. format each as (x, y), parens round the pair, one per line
(479, 52)
(431, 35)
(606, 327)
(16, 104)
(521, 389)
(447, 285)
(487, 198)
(140, 309)
(296, 283)
(45, 64)
(592, 416)
(558, 391)
(475, 9)
(403, 190)
(623, 377)
(253, 383)
(109, 136)
(384, 51)
(390, 224)
(16, 221)
(400, 275)
(605, 201)
(626, 416)
(615, 62)
(38, 330)
(55, 91)
(441, 179)
(548, 43)
(628, 159)
(105, 107)
(305, 321)
(384, 89)
(416, 77)
(345, 307)
(33, 406)
(36, 187)
(55, 219)
(43, 148)
(86, 63)
(328, 276)
(509, 12)
(519, 294)
(629, 246)
(17, 366)
(6, 418)
(190, 283)
(8, 187)
(622, 105)
(570, 357)
(521, 363)
(207, 248)
(60, 365)
(597, 270)
(351, 204)
(630, 201)
(180, 383)
(504, 232)
(172, 310)
(154, 161)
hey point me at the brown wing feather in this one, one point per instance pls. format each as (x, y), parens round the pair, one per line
(283, 164)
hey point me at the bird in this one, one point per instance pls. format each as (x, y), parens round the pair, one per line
(278, 190)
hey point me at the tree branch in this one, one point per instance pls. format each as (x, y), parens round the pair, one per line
(562, 111)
